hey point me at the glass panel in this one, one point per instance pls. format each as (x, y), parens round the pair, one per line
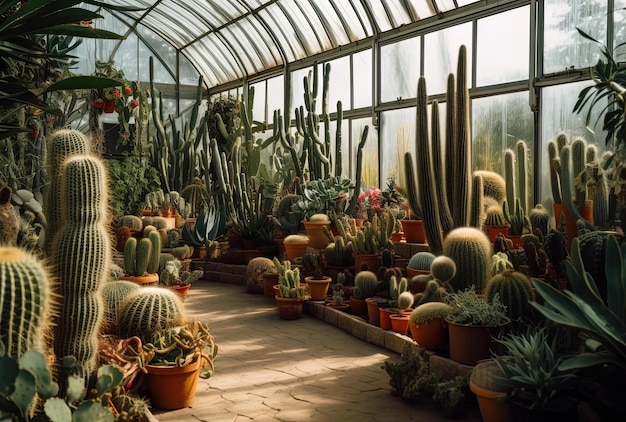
(244, 50)
(258, 107)
(351, 17)
(423, 8)
(564, 47)
(165, 51)
(297, 87)
(400, 15)
(397, 132)
(345, 150)
(498, 122)
(303, 29)
(441, 55)
(399, 69)
(557, 117)
(339, 84)
(213, 74)
(362, 77)
(619, 17)
(503, 48)
(314, 23)
(275, 101)
(188, 74)
(369, 176)
(269, 55)
(363, 15)
(285, 33)
(380, 15)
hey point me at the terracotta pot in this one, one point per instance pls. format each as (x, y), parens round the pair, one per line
(400, 323)
(318, 288)
(494, 406)
(373, 312)
(315, 233)
(289, 308)
(295, 250)
(172, 387)
(248, 244)
(281, 249)
(358, 306)
(276, 290)
(471, 343)
(397, 236)
(147, 280)
(493, 232)
(371, 260)
(344, 307)
(413, 231)
(269, 281)
(432, 335)
(181, 290)
(385, 320)
(412, 272)
(199, 252)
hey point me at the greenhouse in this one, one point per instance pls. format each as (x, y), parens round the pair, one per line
(312, 210)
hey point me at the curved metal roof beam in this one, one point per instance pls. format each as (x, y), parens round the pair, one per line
(325, 24)
(346, 28)
(308, 20)
(299, 35)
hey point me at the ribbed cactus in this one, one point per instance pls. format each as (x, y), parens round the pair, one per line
(518, 222)
(514, 290)
(421, 261)
(443, 269)
(521, 188)
(132, 222)
(25, 301)
(470, 250)
(494, 185)
(495, 217)
(82, 251)
(405, 300)
(539, 219)
(339, 252)
(142, 256)
(433, 292)
(113, 294)
(147, 310)
(430, 311)
(155, 254)
(61, 145)
(365, 283)
(396, 288)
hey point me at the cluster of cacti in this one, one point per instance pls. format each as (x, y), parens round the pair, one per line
(133, 222)
(500, 263)
(173, 275)
(143, 255)
(82, 256)
(149, 310)
(365, 284)
(433, 292)
(514, 291)
(397, 287)
(515, 175)
(430, 311)
(61, 145)
(289, 279)
(25, 302)
(495, 217)
(287, 219)
(421, 261)
(113, 294)
(339, 252)
(446, 198)
(157, 222)
(375, 234)
(517, 219)
(494, 186)
(182, 252)
(470, 250)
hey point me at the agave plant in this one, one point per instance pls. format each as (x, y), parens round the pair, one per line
(603, 324)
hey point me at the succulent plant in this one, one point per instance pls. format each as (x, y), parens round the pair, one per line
(113, 294)
(443, 269)
(470, 308)
(433, 292)
(339, 252)
(540, 219)
(470, 250)
(133, 222)
(421, 261)
(495, 217)
(518, 222)
(365, 283)
(500, 263)
(514, 290)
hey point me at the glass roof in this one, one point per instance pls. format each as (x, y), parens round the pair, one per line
(230, 40)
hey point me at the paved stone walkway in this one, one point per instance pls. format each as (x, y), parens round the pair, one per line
(274, 370)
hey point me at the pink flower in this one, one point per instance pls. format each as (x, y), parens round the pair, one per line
(115, 93)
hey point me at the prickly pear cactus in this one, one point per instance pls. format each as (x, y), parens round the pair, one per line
(24, 301)
(82, 251)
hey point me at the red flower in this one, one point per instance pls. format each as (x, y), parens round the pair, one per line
(115, 93)
(33, 134)
(49, 121)
(98, 103)
(134, 103)
(127, 90)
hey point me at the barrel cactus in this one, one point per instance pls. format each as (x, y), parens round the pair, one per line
(113, 294)
(430, 311)
(24, 301)
(365, 283)
(470, 250)
(443, 269)
(514, 290)
(148, 310)
(421, 261)
(133, 222)
(540, 219)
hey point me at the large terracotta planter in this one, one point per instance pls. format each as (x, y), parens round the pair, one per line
(491, 396)
(471, 343)
(413, 231)
(400, 323)
(315, 232)
(148, 280)
(493, 231)
(570, 223)
(371, 260)
(318, 288)
(172, 387)
(358, 306)
(289, 308)
(432, 335)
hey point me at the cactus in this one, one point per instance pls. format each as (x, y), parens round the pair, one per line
(555, 245)
(396, 288)
(365, 283)
(443, 269)
(374, 237)
(518, 222)
(433, 292)
(421, 261)
(495, 217)
(148, 229)
(132, 222)
(430, 311)
(82, 257)
(405, 300)
(470, 250)
(500, 263)
(514, 290)
(339, 252)
(149, 310)
(142, 256)
(155, 255)
(494, 185)
(25, 302)
(61, 145)
(113, 294)
(539, 219)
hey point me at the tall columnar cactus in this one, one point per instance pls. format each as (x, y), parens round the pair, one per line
(514, 290)
(521, 187)
(25, 301)
(82, 251)
(518, 222)
(470, 250)
(113, 294)
(142, 256)
(578, 158)
(61, 145)
(566, 178)
(148, 310)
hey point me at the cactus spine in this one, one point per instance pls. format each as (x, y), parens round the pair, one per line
(24, 301)
(82, 257)
(443, 269)
(421, 261)
(470, 250)
(365, 283)
(61, 145)
(514, 290)
(113, 294)
(430, 311)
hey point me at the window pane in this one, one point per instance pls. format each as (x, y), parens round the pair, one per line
(442, 53)
(564, 47)
(400, 69)
(503, 47)
(258, 107)
(297, 86)
(362, 77)
(398, 136)
(498, 122)
(369, 174)
(557, 104)
(619, 17)
(339, 85)
(275, 100)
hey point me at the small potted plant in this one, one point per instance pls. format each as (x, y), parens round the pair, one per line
(428, 325)
(291, 294)
(178, 357)
(180, 281)
(473, 324)
(141, 259)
